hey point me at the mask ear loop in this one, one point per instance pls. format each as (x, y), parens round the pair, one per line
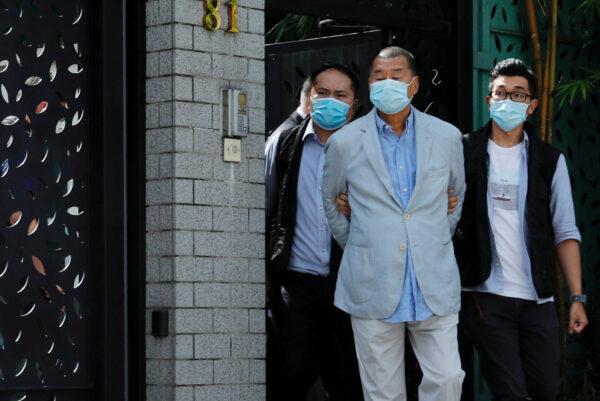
(408, 86)
(527, 114)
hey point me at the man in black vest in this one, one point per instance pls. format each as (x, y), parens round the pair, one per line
(517, 214)
(302, 257)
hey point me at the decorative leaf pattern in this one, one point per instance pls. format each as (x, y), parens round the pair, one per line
(44, 238)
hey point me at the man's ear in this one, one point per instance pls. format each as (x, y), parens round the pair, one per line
(487, 101)
(532, 106)
(353, 109)
(414, 87)
(309, 104)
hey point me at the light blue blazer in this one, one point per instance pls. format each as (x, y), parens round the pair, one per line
(380, 231)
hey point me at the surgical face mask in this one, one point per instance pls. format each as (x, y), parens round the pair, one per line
(508, 114)
(390, 96)
(329, 113)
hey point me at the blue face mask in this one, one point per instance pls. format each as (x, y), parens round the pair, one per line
(508, 114)
(329, 113)
(390, 96)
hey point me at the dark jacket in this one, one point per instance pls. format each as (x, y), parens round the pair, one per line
(292, 121)
(472, 240)
(281, 222)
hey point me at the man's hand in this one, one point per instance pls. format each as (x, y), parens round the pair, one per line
(569, 259)
(343, 206)
(577, 318)
(452, 201)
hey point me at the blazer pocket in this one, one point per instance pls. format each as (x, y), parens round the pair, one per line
(359, 273)
(437, 172)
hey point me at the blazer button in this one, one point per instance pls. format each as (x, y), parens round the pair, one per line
(406, 216)
(403, 247)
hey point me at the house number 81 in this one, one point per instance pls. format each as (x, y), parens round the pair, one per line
(212, 18)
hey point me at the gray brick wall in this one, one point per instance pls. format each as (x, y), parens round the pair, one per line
(204, 217)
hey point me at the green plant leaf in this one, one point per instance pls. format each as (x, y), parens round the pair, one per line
(293, 27)
(579, 89)
(591, 8)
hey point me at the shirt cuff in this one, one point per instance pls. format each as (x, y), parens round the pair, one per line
(566, 236)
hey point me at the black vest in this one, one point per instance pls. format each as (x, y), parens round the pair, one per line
(281, 222)
(472, 242)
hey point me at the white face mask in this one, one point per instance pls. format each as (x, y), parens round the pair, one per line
(390, 96)
(329, 113)
(508, 114)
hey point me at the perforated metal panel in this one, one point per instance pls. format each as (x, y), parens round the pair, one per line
(500, 31)
(45, 297)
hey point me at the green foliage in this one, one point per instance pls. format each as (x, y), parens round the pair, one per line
(590, 7)
(293, 27)
(579, 89)
(586, 22)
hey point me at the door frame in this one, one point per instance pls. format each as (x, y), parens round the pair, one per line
(118, 30)
(136, 195)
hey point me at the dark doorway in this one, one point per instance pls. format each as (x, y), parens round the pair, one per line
(437, 32)
(69, 216)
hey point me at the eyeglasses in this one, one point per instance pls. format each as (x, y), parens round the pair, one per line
(518, 97)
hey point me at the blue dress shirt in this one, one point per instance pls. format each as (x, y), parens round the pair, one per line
(311, 247)
(399, 153)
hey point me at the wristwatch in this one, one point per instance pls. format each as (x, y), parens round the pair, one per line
(579, 298)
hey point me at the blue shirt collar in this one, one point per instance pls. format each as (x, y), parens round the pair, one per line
(310, 131)
(385, 129)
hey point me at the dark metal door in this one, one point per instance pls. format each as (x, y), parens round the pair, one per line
(62, 203)
(46, 282)
(437, 32)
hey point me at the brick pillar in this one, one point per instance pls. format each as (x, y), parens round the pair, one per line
(205, 217)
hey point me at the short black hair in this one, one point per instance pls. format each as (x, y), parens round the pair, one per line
(514, 67)
(338, 67)
(395, 51)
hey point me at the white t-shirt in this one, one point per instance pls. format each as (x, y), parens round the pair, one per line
(506, 166)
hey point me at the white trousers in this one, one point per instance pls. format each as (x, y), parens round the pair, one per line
(380, 350)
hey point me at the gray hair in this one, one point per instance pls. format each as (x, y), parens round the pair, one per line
(305, 93)
(391, 52)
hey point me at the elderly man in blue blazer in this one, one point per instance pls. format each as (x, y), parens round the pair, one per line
(398, 273)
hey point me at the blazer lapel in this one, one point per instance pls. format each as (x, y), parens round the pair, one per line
(423, 139)
(372, 148)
